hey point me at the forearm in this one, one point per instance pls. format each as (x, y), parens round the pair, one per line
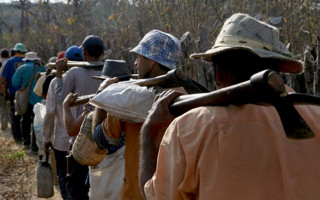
(149, 152)
(72, 125)
(98, 116)
(47, 129)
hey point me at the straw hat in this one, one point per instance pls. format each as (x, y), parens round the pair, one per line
(243, 32)
(31, 56)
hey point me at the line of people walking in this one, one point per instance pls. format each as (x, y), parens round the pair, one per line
(209, 152)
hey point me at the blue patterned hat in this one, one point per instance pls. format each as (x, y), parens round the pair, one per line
(160, 47)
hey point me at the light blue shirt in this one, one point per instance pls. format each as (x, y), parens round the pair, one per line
(21, 79)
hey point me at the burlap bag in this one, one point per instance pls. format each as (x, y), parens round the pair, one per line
(84, 150)
(127, 101)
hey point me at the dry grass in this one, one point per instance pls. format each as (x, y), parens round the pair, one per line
(17, 171)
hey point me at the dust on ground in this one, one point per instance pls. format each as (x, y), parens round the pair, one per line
(18, 171)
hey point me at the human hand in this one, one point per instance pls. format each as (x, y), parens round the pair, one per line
(159, 116)
(61, 66)
(70, 98)
(47, 146)
(107, 82)
(87, 108)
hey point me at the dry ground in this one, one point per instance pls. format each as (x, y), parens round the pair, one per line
(18, 171)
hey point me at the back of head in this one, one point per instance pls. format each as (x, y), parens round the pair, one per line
(61, 54)
(52, 60)
(93, 45)
(5, 53)
(31, 56)
(160, 47)
(244, 33)
(74, 53)
(46, 84)
(12, 52)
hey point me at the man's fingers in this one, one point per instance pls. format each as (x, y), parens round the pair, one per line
(169, 96)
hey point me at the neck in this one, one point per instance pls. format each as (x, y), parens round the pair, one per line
(91, 59)
(157, 71)
(19, 54)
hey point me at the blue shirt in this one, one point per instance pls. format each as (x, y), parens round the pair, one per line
(21, 79)
(8, 71)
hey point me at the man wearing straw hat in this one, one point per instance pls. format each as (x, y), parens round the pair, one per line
(232, 152)
(21, 79)
(157, 53)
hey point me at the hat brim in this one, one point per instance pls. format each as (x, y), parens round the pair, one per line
(287, 65)
(138, 50)
(121, 77)
(30, 59)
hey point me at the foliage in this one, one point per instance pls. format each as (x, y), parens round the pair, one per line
(53, 27)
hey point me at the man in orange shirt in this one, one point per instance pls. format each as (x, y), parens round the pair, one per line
(235, 151)
(157, 53)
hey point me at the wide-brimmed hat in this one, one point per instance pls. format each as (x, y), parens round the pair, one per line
(31, 56)
(52, 59)
(243, 32)
(74, 53)
(115, 68)
(20, 47)
(160, 47)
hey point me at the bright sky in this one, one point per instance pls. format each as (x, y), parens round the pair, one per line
(9, 1)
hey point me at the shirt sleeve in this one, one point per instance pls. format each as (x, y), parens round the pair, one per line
(5, 70)
(109, 134)
(58, 90)
(171, 167)
(17, 77)
(48, 123)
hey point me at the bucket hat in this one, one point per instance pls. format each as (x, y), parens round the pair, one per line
(20, 47)
(243, 32)
(74, 53)
(52, 59)
(115, 68)
(31, 56)
(160, 47)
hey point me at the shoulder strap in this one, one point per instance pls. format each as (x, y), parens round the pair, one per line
(34, 73)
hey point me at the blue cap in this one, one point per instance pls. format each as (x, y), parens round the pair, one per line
(74, 53)
(160, 47)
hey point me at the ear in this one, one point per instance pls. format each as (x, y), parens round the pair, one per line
(84, 53)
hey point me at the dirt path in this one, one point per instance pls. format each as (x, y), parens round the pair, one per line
(18, 171)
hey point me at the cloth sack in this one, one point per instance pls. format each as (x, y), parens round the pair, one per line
(21, 100)
(84, 149)
(44, 178)
(106, 178)
(22, 96)
(127, 101)
(38, 87)
(39, 111)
